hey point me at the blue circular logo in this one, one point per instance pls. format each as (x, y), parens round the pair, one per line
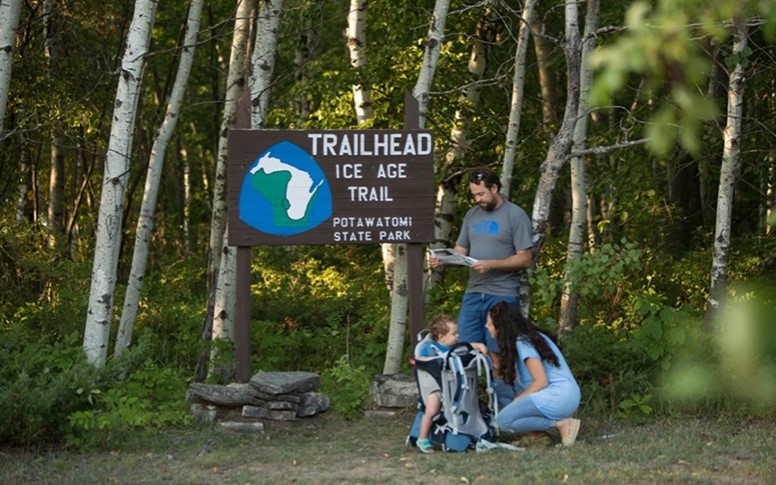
(285, 192)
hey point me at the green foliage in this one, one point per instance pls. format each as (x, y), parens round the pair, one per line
(600, 278)
(347, 386)
(39, 386)
(148, 397)
(636, 408)
(314, 304)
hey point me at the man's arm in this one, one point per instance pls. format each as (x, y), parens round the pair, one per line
(519, 260)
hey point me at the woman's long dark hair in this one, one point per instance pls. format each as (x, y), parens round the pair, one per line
(511, 325)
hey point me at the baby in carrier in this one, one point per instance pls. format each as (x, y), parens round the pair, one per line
(443, 334)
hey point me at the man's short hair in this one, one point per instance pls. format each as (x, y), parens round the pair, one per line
(485, 175)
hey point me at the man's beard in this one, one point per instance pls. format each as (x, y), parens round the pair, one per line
(488, 206)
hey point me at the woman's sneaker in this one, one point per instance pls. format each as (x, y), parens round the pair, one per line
(425, 446)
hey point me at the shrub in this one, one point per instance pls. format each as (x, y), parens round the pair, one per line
(347, 386)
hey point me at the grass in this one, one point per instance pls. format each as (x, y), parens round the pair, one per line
(326, 449)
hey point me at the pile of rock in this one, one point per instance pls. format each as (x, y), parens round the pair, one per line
(282, 396)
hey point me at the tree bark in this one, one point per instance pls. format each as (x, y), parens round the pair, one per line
(260, 72)
(235, 86)
(356, 39)
(145, 222)
(731, 167)
(570, 296)
(516, 104)
(399, 295)
(548, 83)
(10, 11)
(556, 155)
(117, 165)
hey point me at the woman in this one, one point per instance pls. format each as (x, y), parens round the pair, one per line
(545, 394)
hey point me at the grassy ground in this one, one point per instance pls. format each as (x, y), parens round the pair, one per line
(325, 449)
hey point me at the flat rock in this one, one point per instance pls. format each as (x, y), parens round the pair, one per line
(276, 383)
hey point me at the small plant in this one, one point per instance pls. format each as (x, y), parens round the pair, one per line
(347, 386)
(636, 408)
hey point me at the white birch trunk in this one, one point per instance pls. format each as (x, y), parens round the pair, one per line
(577, 230)
(106, 250)
(516, 105)
(235, 84)
(556, 155)
(10, 11)
(263, 59)
(145, 222)
(356, 38)
(459, 137)
(731, 166)
(260, 79)
(400, 293)
(223, 313)
(220, 295)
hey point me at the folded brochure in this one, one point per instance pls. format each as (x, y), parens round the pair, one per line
(448, 256)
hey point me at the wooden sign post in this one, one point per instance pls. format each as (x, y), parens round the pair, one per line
(327, 187)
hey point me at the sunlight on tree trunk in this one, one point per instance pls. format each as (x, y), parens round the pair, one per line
(145, 222)
(235, 86)
(570, 297)
(559, 147)
(731, 166)
(516, 104)
(106, 250)
(10, 11)
(399, 295)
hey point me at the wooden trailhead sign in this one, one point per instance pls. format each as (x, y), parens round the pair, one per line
(330, 187)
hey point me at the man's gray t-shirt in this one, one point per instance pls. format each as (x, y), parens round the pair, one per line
(496, 234)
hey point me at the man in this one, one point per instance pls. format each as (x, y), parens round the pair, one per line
(497, 233)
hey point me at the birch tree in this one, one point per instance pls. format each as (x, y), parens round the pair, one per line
(561, 142)
(460, 134)
(570, 297)
(731, 167)
(10, 11)
(399, 295)
(145, 222)
(356, 39)
(117, 166)
(362, 102)
(235, 86)
(260, 71)
(516, 103)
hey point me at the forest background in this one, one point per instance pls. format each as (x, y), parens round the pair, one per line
(639, 136)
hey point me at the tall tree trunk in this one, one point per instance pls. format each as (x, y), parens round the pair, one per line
(559, 147)
(731, 167)
(56, 204)
(356, 39)
(570, 296)
(548, 83)
(399, 295)
(145, 222)
(10, 11)
(362, 102)
(117, 165)
(235, 86)
(260, 70)
(516, 104)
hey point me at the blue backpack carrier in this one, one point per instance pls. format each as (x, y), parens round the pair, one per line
(464, 422)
